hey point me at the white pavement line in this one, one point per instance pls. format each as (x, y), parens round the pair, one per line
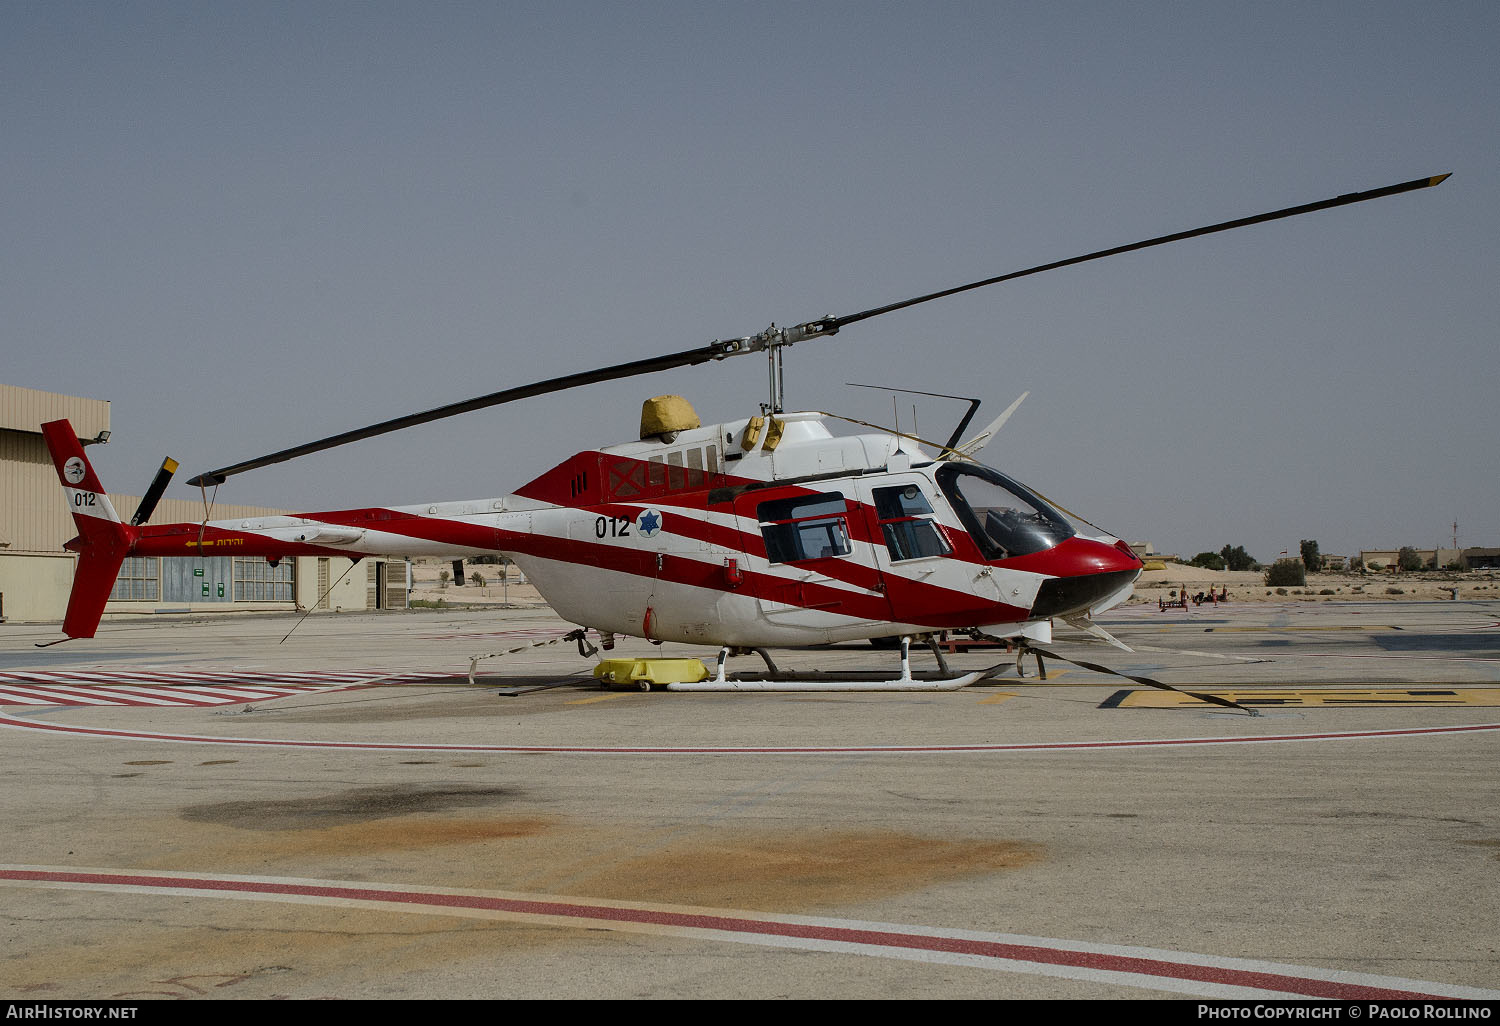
(1148, 968)
(7, 721)
(22, 698)
(65, 695)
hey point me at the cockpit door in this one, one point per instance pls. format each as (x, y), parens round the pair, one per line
(906, 538)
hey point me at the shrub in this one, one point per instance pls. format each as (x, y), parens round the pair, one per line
(1312, 559)
(1287, 572)
(1236, 558)
(1407, 559)
(1208, 560)
(1395, 591)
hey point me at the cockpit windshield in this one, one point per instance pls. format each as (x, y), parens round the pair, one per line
(1002, 517)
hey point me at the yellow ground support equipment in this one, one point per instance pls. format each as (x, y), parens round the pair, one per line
(646, 672)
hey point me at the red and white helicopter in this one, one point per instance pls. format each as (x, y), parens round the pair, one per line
(766, 531)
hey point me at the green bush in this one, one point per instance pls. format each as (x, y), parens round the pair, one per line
(1236, 558)
(1208, 560)
(1312, 559)
(1287, 572)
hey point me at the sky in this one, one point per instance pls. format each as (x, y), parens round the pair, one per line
(253, 225)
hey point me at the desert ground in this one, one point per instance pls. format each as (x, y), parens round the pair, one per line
(1250, 585)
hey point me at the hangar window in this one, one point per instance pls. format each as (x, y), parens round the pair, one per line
(139, 580)
(255, 580)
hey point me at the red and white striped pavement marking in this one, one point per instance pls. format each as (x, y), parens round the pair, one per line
(178, 687)
(1039, 746)
(1149, 968)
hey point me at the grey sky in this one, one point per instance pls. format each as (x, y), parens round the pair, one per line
(250, 225)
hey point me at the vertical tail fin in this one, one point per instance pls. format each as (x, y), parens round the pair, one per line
(103, 540)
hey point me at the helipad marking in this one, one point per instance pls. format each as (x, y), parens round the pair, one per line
(1042, 746)
(1357, 698)
(1146, 968)
(174, 688)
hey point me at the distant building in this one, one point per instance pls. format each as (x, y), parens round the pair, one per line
(1481, 559)
(36, 572)
(1146, 553)
(1470, 559)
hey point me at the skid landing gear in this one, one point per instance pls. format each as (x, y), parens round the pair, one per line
(776, 680)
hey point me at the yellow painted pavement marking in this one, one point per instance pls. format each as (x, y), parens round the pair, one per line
(997, 698)
(596, 698)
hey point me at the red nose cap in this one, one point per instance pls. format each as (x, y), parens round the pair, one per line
(1085, 573)
(1078, 557)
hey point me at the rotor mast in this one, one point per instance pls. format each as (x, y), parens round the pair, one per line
(773, 340)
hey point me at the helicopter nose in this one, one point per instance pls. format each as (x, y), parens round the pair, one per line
(1084, 573)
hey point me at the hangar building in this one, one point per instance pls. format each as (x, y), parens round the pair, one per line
(36, 572)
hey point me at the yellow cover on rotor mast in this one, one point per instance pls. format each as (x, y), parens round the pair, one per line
(666, 415)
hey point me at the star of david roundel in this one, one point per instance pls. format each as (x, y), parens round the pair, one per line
(649, 522)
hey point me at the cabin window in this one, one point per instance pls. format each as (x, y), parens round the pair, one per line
(805, 527)
(906, 522)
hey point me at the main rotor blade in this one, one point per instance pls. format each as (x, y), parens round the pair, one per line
(688, 358)
(153, 493)
(772, 338)
(833, 324)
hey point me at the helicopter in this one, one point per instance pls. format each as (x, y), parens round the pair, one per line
(767, 531)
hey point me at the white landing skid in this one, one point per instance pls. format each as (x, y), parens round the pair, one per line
(905, 682)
